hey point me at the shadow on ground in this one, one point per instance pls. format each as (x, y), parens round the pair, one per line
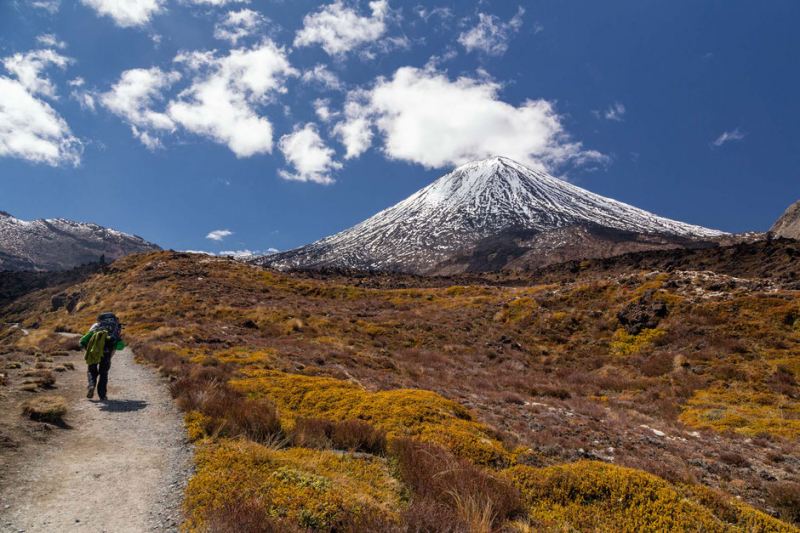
(122, 406)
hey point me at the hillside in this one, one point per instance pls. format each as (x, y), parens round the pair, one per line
(489, 215)
(58, 244)
(628, 399)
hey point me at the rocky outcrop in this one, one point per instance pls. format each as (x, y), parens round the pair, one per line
(642, 314)
(788, 226)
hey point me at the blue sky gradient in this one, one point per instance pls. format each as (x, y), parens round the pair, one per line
(649, 85)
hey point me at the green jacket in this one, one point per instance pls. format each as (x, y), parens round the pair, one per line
(86, 338)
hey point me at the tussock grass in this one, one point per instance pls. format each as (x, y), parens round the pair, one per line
(45, 408)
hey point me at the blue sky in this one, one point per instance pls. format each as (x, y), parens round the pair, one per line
(278, 122)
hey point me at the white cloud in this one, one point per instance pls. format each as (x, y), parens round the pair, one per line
(85, 99)
(426, 118)
(127, 13)
(322, 75)
(355, 133)
(221, 102)
(238, 25)
(615, 112)
(339, 28)
(219, 234)
(133, 97)
(729, 136)
(51, 6)
(29, 67)
(322, 107)
(491, 35)
(50, 40)
(32, 130)
(308, 154)
(76, 82)
(443, 13)
(218, 3)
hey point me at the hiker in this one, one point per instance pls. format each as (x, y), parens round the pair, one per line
(102, 340)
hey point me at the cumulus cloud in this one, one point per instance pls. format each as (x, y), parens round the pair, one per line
(219, 234)
(491, 35)
(32, 130)
(127, 13)
(307, 153)
(237, 25)
(221, 103)
(322, 107)
(728, 136)
(424, 117)
(322, 75)
(133, 98)
(29, 67)
(339, 28)
(355, 132)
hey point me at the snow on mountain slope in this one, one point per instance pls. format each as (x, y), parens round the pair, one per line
(58, 244)
(476, 201)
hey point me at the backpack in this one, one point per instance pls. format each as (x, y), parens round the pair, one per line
(110, 323)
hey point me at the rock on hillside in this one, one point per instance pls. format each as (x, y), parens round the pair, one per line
(489, 215)
(788, 225)
(58, 244)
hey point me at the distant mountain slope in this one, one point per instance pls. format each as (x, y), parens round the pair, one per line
(496, 204)
(58, 244)
(788, 225)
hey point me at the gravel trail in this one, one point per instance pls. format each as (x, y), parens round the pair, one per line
(120, 466)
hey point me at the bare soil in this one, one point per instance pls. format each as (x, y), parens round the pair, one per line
(117, 465)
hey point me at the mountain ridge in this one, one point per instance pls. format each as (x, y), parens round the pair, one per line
(476, 201)
(60, 244)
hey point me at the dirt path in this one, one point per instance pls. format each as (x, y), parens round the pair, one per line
(120, 466)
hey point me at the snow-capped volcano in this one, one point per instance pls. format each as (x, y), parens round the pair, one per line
(477, 203)
(58, 244)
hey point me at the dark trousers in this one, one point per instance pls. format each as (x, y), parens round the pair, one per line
(99, 370)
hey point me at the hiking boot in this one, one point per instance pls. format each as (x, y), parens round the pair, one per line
(103, 398)
(90, 392)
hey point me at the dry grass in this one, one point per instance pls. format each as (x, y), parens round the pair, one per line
(45, 408)
(477, 499)
(248, 516)
(350, 435)
(229, 413)
(785, 497)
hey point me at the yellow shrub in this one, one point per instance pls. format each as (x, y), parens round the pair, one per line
(733, 511)
(247, 356)
(311, 488)
(196, 423)
(401, 412)
(623, 343)
(517, 309)
(594, 496)
(744, 410)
